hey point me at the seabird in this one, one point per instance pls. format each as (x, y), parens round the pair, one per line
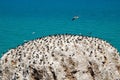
(75, 17)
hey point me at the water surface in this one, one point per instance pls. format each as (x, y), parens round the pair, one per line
(23, 20)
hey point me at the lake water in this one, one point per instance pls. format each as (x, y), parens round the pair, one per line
(24, 20)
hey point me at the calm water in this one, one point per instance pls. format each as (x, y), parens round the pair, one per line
(23, 20)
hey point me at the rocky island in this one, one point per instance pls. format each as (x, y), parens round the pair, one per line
(61, 57)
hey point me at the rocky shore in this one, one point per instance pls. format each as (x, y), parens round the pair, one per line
(61, 57)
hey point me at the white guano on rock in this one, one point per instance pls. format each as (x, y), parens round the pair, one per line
(61, 57)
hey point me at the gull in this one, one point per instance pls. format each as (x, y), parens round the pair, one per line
(75, 17)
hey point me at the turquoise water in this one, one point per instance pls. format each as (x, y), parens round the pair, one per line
(26, 20)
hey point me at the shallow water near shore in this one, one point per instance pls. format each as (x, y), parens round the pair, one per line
(27, 20)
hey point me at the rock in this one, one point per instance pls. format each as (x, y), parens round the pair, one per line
(61, 57)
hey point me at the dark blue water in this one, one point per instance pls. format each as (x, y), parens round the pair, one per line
(23, 20)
